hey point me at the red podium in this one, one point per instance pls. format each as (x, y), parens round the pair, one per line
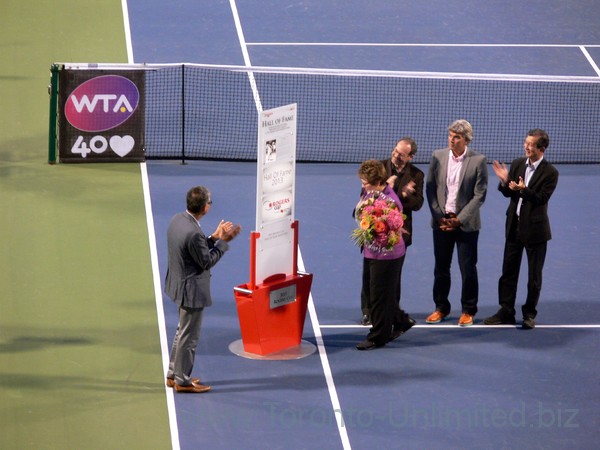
(272, 313)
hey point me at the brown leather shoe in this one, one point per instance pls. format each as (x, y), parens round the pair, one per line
(171, 382)
(436, 317)
(465, 320)
(194, 388)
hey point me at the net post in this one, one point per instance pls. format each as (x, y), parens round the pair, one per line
(53, 91)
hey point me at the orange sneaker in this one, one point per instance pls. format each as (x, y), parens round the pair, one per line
(465, 320)
(436, 317)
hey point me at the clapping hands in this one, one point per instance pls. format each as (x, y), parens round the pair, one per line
(232, 232)
(501, 171)
(517, 186)
(226, 231)
(408, 189)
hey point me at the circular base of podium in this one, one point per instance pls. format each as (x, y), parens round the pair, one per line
(297, 352)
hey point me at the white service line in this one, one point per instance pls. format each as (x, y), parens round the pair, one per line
(335, 403)
(456, 327)
(395, 44)
(590, 60)
(311, 307)
(245, 54)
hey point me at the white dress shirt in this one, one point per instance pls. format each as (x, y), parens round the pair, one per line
(455, 164)
(529, 170)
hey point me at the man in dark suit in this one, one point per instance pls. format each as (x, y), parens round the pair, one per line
(529, 184)
(456, 188)
(407, 182)
(191, 256)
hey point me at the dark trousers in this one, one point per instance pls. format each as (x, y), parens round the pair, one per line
(381, 290)
(443, 248)
(511, 265)
(364, 295)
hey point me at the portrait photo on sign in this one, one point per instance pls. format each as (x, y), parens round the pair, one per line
(271, 150)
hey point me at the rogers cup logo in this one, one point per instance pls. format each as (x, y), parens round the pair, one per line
(102, 103)
(276, 206)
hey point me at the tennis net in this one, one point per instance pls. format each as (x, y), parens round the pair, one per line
(210, 112)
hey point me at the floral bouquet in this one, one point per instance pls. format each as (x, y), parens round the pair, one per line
(379, 222)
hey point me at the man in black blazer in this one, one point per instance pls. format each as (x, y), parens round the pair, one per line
(529, 184)
(191, 256)
(407, 181)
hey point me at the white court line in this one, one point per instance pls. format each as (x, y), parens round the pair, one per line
(160, 311)
(383, 44)
(456, 327)
(590, 60)
(335, 403)
(246, 55)
(129, 47)
(311, 307)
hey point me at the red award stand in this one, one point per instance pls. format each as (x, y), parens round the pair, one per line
(272, 313)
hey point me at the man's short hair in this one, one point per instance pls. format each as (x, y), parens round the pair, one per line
(462, 127)
(544, 139)
(411, 142)
(197, 199)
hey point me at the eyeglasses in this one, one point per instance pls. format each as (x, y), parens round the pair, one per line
(210, 202)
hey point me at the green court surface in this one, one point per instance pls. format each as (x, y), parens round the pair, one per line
(80, 364)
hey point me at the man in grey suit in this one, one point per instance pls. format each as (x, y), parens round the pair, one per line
(456, 188)
(191, 256)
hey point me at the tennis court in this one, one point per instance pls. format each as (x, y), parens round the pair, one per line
(82, 340)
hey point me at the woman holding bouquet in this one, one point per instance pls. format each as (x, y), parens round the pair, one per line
(379, 214)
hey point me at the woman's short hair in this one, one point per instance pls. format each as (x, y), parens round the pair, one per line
(373, 172)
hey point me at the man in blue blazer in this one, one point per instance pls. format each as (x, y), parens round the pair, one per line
(529, 184)
(191, 256)
(456, 188)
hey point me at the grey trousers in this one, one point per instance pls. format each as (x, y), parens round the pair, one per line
(183, 351)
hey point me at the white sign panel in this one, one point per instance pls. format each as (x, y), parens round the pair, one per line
(275, 192)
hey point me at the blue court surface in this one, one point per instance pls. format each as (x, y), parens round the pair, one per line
(438, 386)
(503, 387)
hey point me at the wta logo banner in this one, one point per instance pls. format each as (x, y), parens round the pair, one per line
(102, 103)
(102, 114)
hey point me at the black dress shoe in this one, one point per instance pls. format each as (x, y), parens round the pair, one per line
(528, 323)
(500, 319)
(408, 323)
(365, 320)
(367, 345)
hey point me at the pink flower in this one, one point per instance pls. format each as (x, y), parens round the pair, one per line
(380, 222)
(395, 219)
